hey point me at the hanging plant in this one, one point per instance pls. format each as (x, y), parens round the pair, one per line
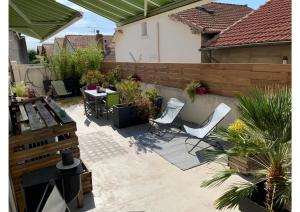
(194, 88)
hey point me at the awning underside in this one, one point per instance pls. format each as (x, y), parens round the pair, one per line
(127, 11)
(40, 19)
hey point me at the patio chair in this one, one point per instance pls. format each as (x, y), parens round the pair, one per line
(108, 103)
(208, 125)
(89, 103)
(168, 117)
(59, 89)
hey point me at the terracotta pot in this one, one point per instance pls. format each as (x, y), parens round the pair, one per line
(201, 90)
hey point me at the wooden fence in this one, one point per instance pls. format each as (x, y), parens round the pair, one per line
(221, 79)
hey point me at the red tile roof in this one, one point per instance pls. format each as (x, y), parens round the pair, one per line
(270, 23)
(212, 17)
(81, 41)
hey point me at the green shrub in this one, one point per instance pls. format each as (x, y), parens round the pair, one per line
(129, 90)
(191, 89)
(113, 76)
(152, 93)
(92, 77)
(19, 89)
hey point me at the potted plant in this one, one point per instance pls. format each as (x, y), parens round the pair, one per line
(113, 77)
(92, 78)
(194, 88)
(135, 108)
(266, 116)
(155, 98)
(19, 90)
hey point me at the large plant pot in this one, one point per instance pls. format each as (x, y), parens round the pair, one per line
(257, 201)
(126, 116)
(72, 85)
(201, 90)
(47, 84)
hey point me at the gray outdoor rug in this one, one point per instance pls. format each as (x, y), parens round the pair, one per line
(175, 151)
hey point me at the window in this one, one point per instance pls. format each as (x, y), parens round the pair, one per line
(144, 29)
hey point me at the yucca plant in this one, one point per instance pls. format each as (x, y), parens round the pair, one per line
(264, 129)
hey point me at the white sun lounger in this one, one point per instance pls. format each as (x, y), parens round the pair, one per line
(201, 133)
(168, 116)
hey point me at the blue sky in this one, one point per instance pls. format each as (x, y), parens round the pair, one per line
(91, 22)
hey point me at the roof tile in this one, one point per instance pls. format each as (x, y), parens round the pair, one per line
(269, 23)
(212, 17)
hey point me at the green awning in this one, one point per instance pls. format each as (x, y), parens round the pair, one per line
(40, 19)
(127, 11)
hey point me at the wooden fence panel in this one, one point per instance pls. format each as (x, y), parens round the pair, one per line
(221, 79)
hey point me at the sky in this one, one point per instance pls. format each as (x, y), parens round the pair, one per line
(90, 22)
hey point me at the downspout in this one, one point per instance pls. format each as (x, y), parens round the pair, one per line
(158, 43)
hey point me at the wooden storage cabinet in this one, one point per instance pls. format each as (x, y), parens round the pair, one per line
(40, 131)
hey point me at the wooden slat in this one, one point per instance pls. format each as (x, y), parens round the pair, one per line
(23, 114)
(56, 109)
(41, 134)
(236, 78)
(34, 119)
(47, 148)
(47, 117)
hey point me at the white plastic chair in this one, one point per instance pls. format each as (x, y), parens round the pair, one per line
(168, 116)
(201, 133)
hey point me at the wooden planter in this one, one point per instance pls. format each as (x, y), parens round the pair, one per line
(244, 165)
(86, 179)
(40, 132)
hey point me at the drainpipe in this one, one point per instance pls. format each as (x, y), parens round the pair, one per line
(158, 43)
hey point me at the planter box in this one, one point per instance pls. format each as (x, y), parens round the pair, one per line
(126, 116)
(72, 85)
(201, 90)
(248, 205)
(244, 165)
(86, 179)
(47, 84)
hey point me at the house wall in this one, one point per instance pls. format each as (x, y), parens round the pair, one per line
(17, 48)
(264, 54)
(198, 111)
(69, 47)
(56, 49)
(168, 41)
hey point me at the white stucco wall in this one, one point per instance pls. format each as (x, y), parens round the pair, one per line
(198, 111)
(177, 43)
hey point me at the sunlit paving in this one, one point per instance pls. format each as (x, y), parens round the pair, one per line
(184, 107)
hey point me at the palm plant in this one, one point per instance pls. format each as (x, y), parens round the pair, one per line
(264, 130)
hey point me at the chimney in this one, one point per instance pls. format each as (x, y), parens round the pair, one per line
(99, 39)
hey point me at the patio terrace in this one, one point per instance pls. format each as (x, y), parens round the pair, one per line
(131, 177)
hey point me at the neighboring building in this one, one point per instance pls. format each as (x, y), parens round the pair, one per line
(47, 50)
(109, 50)
(73, 42)
(175, 37)
(39, 50)
(263, 36)
(17, 48)
(58, 45)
